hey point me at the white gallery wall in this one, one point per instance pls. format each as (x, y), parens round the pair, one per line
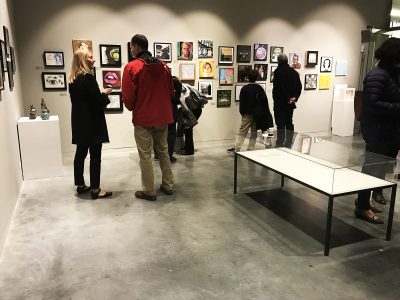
(330, 27)
(11, 108)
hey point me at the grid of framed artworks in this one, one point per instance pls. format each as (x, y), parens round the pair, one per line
(7, 61)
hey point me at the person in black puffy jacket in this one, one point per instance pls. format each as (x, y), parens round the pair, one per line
(380, 121)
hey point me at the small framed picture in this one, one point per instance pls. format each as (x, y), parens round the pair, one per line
(226, 76)
(224, 98)
(341, 68)
(53, 59)
(187, 71)
(206, 88)
(185, 50)
(205, 49)
(225, 55)
(206, 69)
(274, 53)
(54, 81)
(82, 44)
(112, 79)
(110, 56)
(163, 51)
(262, 70)
(3, 53)
(238, 88)
(310, 82)
(10, 75)
(243, 72)
(115, 104)
(326, 64)
(13, 63)
(295, 60)
(1, 81)
(260, 52)
(271, 77)
(130, 55)
(324, 81)
(243, 53)
(311, 58)
(7, 41)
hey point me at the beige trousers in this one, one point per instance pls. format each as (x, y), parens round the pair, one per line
(247, 123)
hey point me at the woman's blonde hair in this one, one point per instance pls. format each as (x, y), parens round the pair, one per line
(79, 65)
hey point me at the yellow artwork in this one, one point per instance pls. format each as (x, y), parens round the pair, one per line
(324, 81)
(206, 69)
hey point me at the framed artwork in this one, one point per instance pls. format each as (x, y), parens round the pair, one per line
(224, 98)
(7, 40)
(185, 50)
(13, 63)
(110, 56)
(271, 77)
(225, 55)
(206, 88)
(262, 70)
(274, 53)
(206, 49)
(206, 69)
(82, 44)
(243, 72)
(226, 76)
(311, 58)
(243, 53)
(295, 59)
(115, 104)
(260, 52)
(163, 51)
(310, 82)
(324, 81)
(112, 79)
(187, 71)
(238, 88)
(3, 56)
(326, 64)
(10, 76)
(53, 59)
(1, 81)
(130, 55)
(341, 68)
(54, 81)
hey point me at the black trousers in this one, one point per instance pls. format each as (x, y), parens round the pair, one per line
(189, 146)
(384, 146)
(284, 126)
(95, 164)
(171, 138)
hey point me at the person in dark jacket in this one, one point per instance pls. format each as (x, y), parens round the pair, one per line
(380, 121)
(89, 128)
(285, 93)
(253, 102)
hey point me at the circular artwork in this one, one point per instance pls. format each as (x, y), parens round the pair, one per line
(261, 53)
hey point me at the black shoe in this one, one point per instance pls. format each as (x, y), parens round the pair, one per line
(187, 153)
(141, 195)
(96, 195)
(173, 159)
(374, 208)
(166, 191)
(230, 150)
(82, 189)
(363, 215)
(378, 197)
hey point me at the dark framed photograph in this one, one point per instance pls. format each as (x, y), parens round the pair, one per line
(262, 70)
(115, 104)
(10, 75)
(271, 77)
(13, 63)
(311, 59)
(130, 55)
(1, 81)
(163, 51)
(224, 98)
(225, 55)
(112, 79)
(206, 88)
(110, 56)
(206, 49)
(7, 40)
(243, 53)
(260, 52)
(54, 81)
(3, 55)
(326, 64)
(226, 76)
(274, 53)
(53, 59)
(243, 72)
(310, 82)
(185, 50)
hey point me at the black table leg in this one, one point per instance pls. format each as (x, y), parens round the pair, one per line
(235, 175)
(328, 226)
(391, 211)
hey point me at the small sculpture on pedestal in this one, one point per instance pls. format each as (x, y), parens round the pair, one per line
(45, 114)
(32, 112)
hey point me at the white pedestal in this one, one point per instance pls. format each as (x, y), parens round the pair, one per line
(40, 147)
(343, 118)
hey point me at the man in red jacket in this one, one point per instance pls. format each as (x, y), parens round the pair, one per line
(147, 90)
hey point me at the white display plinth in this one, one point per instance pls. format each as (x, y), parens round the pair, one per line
(40, 147)
(343, 111)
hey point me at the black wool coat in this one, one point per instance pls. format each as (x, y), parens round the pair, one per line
(88, 122)
(286, 85)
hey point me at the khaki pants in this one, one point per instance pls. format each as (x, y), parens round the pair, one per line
(145, 136)
(247, 123)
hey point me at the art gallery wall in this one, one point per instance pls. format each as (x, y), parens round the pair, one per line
(10, 110)
(330, 27)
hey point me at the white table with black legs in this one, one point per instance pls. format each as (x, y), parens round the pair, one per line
(327, 178)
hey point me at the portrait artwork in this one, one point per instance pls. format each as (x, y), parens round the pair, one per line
(112, 79)
(295, 60)
(163, 51)
(206, 69)
(205, 49)
(326, 64)
(260, 52)
(185, 50)
(110, 56)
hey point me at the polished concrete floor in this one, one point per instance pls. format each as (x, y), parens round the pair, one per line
(203, 242)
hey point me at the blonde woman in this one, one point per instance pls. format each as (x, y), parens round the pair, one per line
(89, 127)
